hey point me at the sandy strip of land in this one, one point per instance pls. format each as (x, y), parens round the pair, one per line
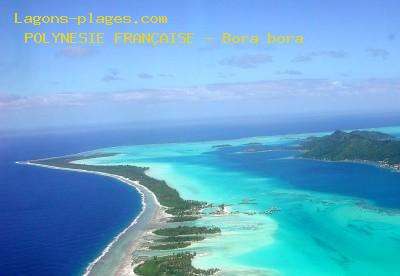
(116, 258)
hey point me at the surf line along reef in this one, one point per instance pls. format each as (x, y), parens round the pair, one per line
(165, 238)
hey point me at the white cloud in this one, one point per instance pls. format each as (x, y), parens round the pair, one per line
(50, 100)
(378, 53)
(288, 72)
(246, 61)
(311, 55)
(111, 75)
(145, 76)
(284, 90)
(76, 52)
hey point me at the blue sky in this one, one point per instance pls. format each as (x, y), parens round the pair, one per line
(348, 63)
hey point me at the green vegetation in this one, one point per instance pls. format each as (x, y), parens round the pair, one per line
(252, 144)
(356, 145)
(373, 135)
(181, 238)
(166, 195)
(186, 208)
(170, 246)
(183, 218)
(187, 230)
(222, 146)
(177, 265)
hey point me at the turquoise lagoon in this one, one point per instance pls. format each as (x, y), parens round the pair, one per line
(335, 218)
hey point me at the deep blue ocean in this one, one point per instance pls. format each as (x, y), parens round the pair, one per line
(56, 222)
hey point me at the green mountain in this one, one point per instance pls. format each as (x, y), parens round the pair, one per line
(356, 145)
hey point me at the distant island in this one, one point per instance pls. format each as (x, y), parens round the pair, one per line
(365, 146)
(222, 146)
(253, 148)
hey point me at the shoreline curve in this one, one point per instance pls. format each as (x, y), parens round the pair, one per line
(155, 215)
